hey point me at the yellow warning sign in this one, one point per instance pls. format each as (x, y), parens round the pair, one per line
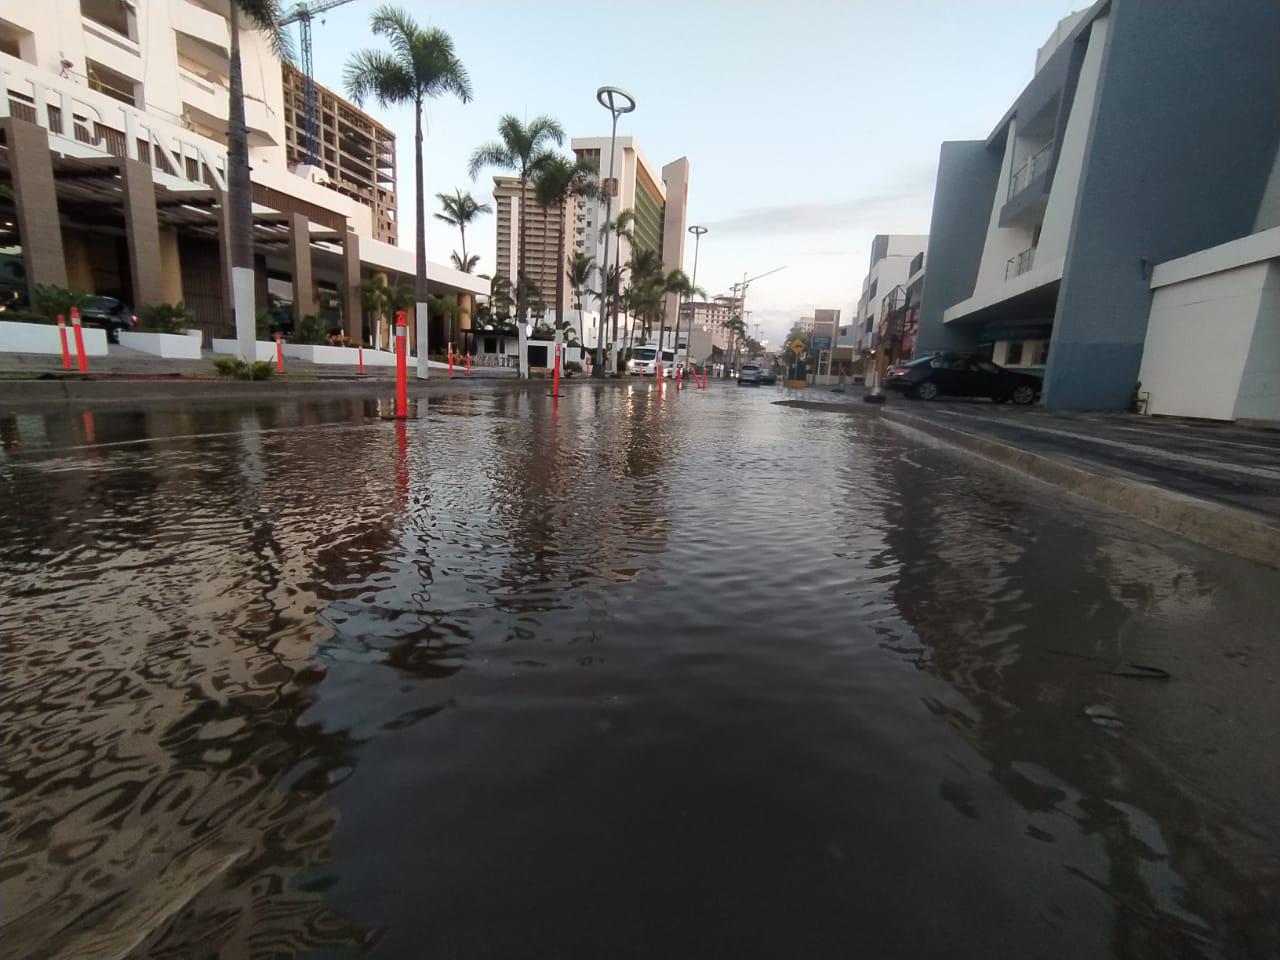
(798, 346)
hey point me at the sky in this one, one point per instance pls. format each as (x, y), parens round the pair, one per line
(810, 126)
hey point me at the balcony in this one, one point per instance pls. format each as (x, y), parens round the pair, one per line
(1035, 165)
(198, 21)
(1020, 264)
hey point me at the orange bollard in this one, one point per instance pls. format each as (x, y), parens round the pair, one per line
(468, 363)
(679, 378)
(62, 335)
(279, 353)
(402, 366)
(451, 361)
(555, 377)
(82, 359)
(657, 368)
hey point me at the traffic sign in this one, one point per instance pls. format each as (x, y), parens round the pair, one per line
(798, 346)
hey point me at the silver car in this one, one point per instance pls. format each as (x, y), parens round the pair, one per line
(750, 373)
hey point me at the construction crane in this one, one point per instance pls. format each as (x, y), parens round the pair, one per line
(302, 15)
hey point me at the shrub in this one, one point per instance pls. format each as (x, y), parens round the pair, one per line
(51, 300)
(311, 330)
(261, 370)
(573, 366)
(165, 317)
(230, 367)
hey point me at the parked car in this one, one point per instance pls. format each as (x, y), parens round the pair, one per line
(768, 378)
(961, 375)
(108, 313)
(750, 373)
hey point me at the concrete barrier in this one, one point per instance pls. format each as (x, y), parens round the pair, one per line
(43, 338)
(172, 346)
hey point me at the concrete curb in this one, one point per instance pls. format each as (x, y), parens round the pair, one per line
(1213, 525)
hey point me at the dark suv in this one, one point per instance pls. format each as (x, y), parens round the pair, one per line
(960, 375)
(108, 313)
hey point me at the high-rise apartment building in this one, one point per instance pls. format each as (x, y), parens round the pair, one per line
(541, 237)
(712, 316)
(891, 259)
(355, 153)
(657, 198)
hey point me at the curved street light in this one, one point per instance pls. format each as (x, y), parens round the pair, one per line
(617, 101)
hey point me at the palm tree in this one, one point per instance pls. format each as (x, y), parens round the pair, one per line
(381, 301)
(460, 210)
(558, 180)
(421, 66)
(265, 16)
(466, 266)
(737, 331)
(522, 149)
(581, 268)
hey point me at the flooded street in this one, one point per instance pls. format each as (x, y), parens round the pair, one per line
(690, 676)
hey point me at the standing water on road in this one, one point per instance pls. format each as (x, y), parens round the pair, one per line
(685, 675)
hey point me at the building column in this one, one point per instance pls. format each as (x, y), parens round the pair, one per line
(171, 265)
(304, 293)
(466, 309)
(142, 230)
(228, 326)
(36, 197)
(352, 314)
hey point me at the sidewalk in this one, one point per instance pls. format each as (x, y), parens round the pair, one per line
(1217, 484)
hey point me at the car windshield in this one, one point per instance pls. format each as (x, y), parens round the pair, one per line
(750, 368)
(645, 354)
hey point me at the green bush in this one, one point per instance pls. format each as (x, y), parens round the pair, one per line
(165, 317)
(311, 330)
(50, 300)
(24, 316)
(573, 366)
(233, 368)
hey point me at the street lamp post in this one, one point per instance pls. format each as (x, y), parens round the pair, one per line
(617, 101)
(697, 232)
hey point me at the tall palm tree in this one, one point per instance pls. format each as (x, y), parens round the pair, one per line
(558, 180)
(737, 331)
(581, 268)
(460, 209)
(522, 149)
(421, 66)
(466, 266)
(263, 15)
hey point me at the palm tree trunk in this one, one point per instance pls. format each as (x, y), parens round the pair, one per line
(520, 291)
(462, 229)
(418, 337)
(564, 214)
(240, 203)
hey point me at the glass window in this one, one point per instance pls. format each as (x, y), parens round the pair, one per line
(1042, 355)
(1013, 353)
(985, 366)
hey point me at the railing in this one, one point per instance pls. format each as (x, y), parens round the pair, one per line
(1032, 168)
(1020, 264)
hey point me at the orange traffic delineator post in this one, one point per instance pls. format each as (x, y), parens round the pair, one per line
(82, 360)
(468, 363)
(279, 353)
(451, 361)
(402, 366)
(62, 335)
(555, 376)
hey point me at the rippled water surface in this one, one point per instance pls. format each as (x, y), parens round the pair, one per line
(691, 676)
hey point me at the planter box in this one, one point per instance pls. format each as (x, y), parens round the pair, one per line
(43, 338)
(172, 346)
(265, 349)
(347, 356)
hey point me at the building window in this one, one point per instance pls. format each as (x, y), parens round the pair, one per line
(115, 15)
(1013, 354)
(113, 84)
(1042, 354)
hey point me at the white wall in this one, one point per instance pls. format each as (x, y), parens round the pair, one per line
(1001, 242)
(1259, 397)
(1199, 337)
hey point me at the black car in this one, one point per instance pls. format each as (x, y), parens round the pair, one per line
(108, 313)
(960, 375)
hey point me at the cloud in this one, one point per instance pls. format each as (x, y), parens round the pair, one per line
(864, 211)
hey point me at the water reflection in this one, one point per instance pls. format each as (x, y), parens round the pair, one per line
(723, 679)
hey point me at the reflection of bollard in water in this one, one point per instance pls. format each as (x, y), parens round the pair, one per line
(402, 366)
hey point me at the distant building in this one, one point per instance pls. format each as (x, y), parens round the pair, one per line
(658, 199)
(1121, 222)
(891, 258)
(541, 236)
(357, 154)
(712, 316)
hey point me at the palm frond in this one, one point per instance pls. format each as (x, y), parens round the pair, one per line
(399, 29)
(373, 73)
(437, 67)
(266, 17)
(493, 154)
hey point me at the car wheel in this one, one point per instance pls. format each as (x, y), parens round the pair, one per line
(1023, 395)
(927, 390)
